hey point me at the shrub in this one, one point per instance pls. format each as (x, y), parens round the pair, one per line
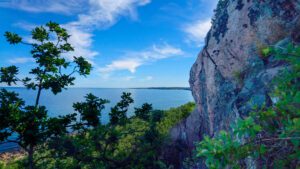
(174, 116)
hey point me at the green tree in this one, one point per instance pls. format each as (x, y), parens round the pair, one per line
(118, 112)
(90, 111)
(144, 111)
(31, 123)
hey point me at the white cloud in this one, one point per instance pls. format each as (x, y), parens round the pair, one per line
(132, 60)
(104, 13)
(39, 6)
(197, 31)
(92, 14)
(165, 51)
(82, 41)
(101, 14)
(20, 60)
(125, 64)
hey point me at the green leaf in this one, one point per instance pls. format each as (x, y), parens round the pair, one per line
(84, 66)
(8, 74)
(12, 38)
(266, 51)
(257, 128)
(40, 34)
(262, 149)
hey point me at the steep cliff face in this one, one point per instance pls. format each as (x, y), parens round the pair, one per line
(230, 75)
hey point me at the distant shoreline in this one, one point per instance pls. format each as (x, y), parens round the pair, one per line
(152, 88)
(164, 88)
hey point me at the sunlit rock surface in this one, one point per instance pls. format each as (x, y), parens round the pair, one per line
(230, 75)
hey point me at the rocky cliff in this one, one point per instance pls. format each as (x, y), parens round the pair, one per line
(230, 75)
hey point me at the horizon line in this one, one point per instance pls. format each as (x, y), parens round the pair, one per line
(109, 87)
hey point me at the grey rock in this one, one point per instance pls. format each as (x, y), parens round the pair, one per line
(222, 97)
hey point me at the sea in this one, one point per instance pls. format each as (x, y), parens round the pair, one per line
(61, 104)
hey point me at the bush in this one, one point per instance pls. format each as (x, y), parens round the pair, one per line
(174, 116)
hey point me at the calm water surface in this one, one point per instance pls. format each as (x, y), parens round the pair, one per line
(61, 103)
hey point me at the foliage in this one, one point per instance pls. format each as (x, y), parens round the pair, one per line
(134, 144)
(16, 161)
(118, 113)
(266, 51)
(174, 116)
(144, 111)
(90, 110)
(78, 140)
(270, 135)
(31, 123)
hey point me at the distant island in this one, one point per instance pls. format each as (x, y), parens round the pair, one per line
(164, 88)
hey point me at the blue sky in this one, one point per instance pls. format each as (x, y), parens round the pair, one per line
(130, 43)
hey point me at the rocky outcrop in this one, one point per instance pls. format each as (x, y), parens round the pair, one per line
(230, 75)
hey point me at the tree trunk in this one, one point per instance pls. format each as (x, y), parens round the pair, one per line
(30, 157)
(38, 96)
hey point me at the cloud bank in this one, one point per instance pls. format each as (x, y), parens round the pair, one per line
(133, 60)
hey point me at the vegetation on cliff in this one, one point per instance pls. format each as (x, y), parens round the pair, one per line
(270, 136)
